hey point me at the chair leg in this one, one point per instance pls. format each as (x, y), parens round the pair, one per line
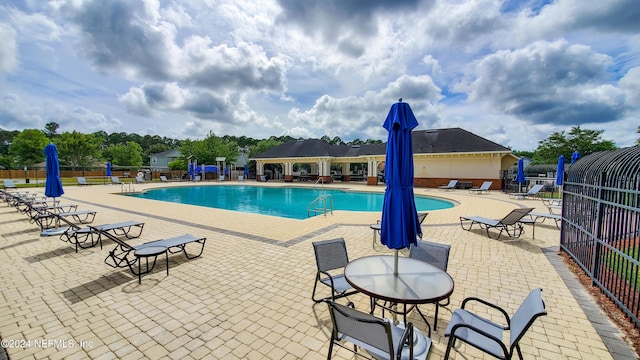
(450, 344)
(315, 286)
(519, 353)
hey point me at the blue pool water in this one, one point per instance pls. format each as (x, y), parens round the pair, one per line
(288, 202)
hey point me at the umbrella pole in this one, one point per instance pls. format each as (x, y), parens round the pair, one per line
(395, 263)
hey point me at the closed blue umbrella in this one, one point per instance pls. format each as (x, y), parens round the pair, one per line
(109, 168)
(575, 156)
(520, 177)
(400, 225)
(246, 170)
(560, 172)
(53, 184)
(192, 171)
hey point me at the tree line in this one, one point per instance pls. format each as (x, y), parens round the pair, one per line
(75, 149)
(24, 148)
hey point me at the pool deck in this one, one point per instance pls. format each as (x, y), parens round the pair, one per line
(249, 295)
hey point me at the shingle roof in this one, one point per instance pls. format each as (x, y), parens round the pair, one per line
(424, 142)
(451, 140)
(168, 153)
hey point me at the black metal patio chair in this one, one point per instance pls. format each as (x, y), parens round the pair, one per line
(331, 259)
(487, 335)
(379, 337)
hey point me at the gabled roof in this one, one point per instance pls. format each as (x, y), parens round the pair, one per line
(424, 142)
(299, 148)
(169, 153)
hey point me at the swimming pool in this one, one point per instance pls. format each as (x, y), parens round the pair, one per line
(288, 202)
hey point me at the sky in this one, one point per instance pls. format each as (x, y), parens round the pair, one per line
(512, 71)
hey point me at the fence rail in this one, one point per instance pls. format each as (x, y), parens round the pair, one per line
(38, 175)
(601, 224)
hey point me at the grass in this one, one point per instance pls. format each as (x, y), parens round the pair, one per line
(623, 267)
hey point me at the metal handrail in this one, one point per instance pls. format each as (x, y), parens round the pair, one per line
(320, 205)
(123, 188)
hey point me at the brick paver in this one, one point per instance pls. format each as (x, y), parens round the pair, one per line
(249, 295)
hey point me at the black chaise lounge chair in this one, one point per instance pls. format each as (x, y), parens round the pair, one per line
(92, 235)
(511, 223)
(125, 255)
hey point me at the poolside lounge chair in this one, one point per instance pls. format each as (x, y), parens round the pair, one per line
(140, 180)
(450, 186)
(82, 181)
(124, 254)
(50, 216)
(534, 216)
(486, 335)
(483, 189)
(533, 192)
(164, 179)
(115, 180)
(92, 235)
(40, 213)
(511, 223)
(9, 184)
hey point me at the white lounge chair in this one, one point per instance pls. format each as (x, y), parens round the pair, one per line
(483, 189)
(9, 184)
(450, 186)
(533, 192)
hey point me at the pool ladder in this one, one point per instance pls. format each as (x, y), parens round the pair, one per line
(127, 188)
(320, 205)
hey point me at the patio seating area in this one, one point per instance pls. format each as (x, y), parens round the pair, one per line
(248, 296)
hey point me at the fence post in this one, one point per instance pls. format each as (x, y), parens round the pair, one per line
(597, 248)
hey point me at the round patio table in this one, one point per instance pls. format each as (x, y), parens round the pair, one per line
(376, 229)
(417, 282)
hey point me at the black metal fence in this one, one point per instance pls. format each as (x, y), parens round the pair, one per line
(601, 223)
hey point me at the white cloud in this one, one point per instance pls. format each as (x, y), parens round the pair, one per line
(8, 55)
(547, 82)
(332, 68)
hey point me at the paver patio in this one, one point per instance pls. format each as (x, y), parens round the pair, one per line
(249, 295)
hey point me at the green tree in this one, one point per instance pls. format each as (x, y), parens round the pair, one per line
(207, 150)
(6, 138)
(77, 149)
(178, 164)
(27, 147)
(263, 146)
(527, 154)
(51, 130)
(560, 143)
(128, 154)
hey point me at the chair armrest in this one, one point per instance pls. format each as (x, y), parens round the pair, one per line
(484, 302)
(330, 277)
(505, 351)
